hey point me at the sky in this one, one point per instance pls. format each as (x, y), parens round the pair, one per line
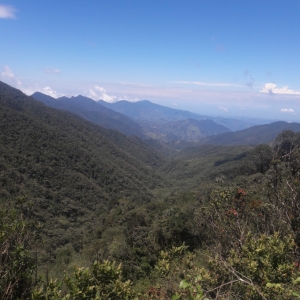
(227, 58)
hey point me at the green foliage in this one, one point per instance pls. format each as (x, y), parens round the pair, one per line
(102, 281)
(168, 259)
(16, 260)
(190, 291)
(229, 158)
(262, 268)
(259, 159)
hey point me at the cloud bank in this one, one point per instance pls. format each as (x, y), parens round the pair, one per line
(272, 88)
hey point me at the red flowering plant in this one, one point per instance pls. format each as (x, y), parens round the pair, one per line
(232, 212)
(240, 193)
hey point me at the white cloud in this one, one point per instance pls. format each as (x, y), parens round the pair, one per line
(287, 110)
(223, 108)
(52, 71)
(99, 93)
(29, 90)
(8, 75)
(45, 90)
(48, 91)
(272, 88)
(7, 12)
(128, 99)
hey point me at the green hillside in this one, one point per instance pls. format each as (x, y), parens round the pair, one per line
(72, 170)
(184, 130)
(195, 165)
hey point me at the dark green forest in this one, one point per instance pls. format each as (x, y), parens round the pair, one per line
(90, 213)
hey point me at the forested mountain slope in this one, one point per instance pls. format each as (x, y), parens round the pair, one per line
(94, 112)
(255, 135)
(185, 130)
(71, 170)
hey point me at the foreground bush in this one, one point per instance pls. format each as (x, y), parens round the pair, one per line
(16, 261)
(102, 281)
(262, 269)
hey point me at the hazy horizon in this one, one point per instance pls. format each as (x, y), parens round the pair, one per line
(229, 59)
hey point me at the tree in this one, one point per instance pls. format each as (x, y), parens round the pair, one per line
(16, 260)
(260, 158)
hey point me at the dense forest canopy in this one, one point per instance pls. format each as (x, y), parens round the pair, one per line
(87, 212)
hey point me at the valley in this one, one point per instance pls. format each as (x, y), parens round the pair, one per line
(171, 195)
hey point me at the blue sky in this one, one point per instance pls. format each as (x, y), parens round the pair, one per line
(214, 57)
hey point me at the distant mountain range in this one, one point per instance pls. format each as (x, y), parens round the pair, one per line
(143, 119)
(260, 134)
(149, 120)
(151, 112)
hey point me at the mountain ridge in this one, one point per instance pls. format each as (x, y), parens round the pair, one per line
(160, 128)
(259, 134)
(145, 110)
(94, 112)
